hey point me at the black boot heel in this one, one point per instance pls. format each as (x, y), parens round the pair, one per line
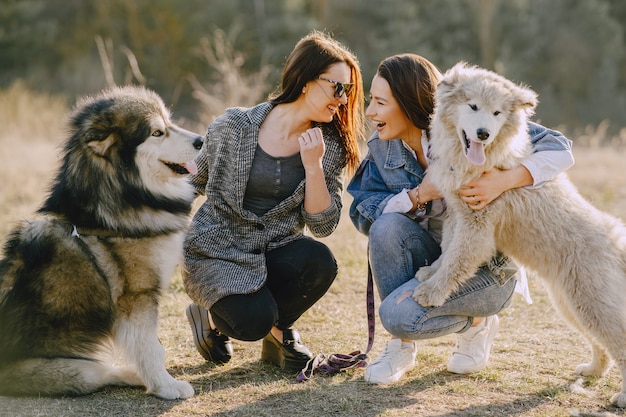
(290, 355)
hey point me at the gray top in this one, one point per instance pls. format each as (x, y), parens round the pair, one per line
(272, 179)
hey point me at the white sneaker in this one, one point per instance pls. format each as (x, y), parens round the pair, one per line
(473, 347)
(397, 358)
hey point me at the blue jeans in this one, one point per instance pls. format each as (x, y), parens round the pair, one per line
(398, 247)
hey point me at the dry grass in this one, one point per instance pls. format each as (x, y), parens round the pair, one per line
(531, 370)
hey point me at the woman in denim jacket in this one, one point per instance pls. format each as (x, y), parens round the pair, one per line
(399, 208)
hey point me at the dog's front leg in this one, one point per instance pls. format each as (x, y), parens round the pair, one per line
(137, 335)
(425, 272)
(468, 244)
(428, 271)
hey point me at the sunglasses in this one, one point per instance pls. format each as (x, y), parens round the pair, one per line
(340, 88)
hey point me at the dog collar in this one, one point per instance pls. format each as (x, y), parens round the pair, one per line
(85, 231)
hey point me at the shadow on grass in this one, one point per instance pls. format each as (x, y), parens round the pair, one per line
(357, 398)
(275, 393)
(347, 394)
(112, 401)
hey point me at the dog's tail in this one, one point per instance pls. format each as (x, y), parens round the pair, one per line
(61, 376)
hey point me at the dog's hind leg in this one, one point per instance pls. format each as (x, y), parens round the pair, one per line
(619, 399)
(614, 339)
(612, 335)
(62, 376)
(602, 320)
(600, 360)
(608, 327)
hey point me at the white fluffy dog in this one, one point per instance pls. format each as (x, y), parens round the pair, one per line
(479, 123)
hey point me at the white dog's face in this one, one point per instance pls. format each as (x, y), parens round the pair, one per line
(479, 122)
(480, 104)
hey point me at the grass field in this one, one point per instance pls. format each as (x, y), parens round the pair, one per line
(531, 367)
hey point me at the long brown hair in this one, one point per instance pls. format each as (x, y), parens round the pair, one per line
(311, 56)
(413, 80)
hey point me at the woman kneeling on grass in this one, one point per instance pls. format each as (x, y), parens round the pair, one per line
(268, 172)
(398, 207)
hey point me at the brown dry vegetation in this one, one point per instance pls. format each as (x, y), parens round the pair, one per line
(531, 369)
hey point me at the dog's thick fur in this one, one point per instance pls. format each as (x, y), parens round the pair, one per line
(479, 123)
(79, 284)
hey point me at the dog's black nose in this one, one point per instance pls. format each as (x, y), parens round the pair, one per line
(483, 134)
(198, 143)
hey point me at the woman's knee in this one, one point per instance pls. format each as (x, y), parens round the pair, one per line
(246, 317)
(482, 296)
(323, 259)
(316, 264)
(402, 317)
(250, 328)
(388, 228)
(304, 254)
(393, 315)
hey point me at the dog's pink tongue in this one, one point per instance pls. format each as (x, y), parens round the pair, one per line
(476, 153)
(191, 167)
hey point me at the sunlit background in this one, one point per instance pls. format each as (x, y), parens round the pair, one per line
(205, 55)
(202, 56)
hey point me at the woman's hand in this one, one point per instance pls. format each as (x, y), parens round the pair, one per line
(486, 188)
(312, 148)
(316, 195)
(428, 191)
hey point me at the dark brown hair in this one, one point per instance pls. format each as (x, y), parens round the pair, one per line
(311, 56)
(413, 80)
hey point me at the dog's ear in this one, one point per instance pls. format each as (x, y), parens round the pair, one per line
(90, 124)
(451, 76)
(102, 147)
(525, 98)
(450, 79)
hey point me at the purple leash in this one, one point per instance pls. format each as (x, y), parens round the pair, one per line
(337, 362)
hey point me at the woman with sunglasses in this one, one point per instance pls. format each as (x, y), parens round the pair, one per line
(269, 172)
(397, 206)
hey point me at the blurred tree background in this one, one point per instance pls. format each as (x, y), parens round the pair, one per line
(220, 53)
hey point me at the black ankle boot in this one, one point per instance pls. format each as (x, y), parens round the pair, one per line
(291, 355)
(210, 343)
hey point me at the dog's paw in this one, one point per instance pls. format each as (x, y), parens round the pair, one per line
(428, 295)
(175, 390)
(424, 273)
(619, 399)
(586, 369)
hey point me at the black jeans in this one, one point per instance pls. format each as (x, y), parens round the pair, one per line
(298, 274)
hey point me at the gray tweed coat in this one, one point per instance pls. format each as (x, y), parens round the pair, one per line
(226, 244)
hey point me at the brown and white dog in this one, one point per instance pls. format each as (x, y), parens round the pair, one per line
(81, 281)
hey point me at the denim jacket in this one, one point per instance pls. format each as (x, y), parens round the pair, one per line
(389, 167)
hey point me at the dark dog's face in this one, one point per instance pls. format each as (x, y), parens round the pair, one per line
(124, 161)
(168, 151)
(128, 132)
